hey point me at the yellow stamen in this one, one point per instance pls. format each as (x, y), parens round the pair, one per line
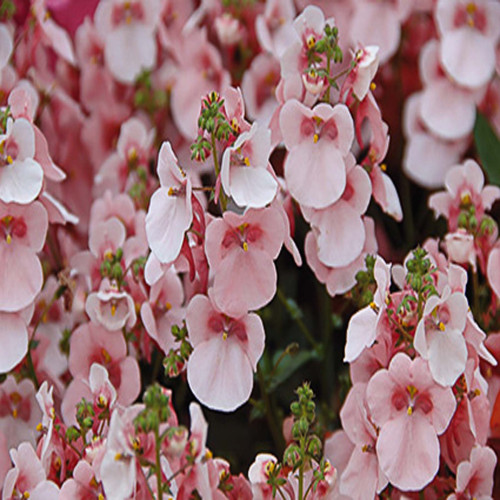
(373, 305)
(441, 326)
(208, 455)
(52, 413)
(410, 410)
(477, 392)
(270, 466)
(412, 390)
(245, 246)
(136, 444)
(108, 255)
(39, 427)
(100, 496)
(168, 306)
(105, 355)
(311, 41)
(224, 336)
(57, 463)
(118, 456)
(8, 239)
(373, 86)
(10, 161)
(113, 309)
(102, 401)
(365, 448)
(171, 191)
(247, 161)
(383, 167)
(471, 8)
(466, 199)
(132, 154)
(93, 482)
(26, 494)
(14, 413)
(315, 138)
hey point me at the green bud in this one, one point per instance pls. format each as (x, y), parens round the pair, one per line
(303, 425)
(119, 254)
(87, 422)
(72, 434)
(291, 456)
(314, 447)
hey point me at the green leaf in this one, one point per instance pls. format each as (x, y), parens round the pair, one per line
(289, 365)
(488, 147)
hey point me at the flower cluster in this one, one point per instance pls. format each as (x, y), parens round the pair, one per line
(155, 158)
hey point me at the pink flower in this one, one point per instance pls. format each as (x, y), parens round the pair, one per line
(318, 141)
(339, 228)
(128, 30)
(111, 307)
(22, 234)
(460, 247)
(339, 280)
(362, 327)
(245, 174)
(90, 344)
(366, 62)
(27, 477)
(439, 336)
(470, 31)
(226, 352)
(475, 477)
(21, 177)
(170, 212)
(240, 251)
(362, 477)
(411, 411)
(464, 187)
(386, 32)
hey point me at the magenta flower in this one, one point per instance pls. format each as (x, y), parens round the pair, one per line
(226, 352)
(411, 411)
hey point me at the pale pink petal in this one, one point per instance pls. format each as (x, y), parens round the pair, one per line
(252, 187)
(21, 182)
(315, 174)
(447, 111)
(167, 220)
(361, 332)
(341, 235)
(13, 339)
(220, 374)
(22, 277)
(447, 353)
(468, 56)
(6, 45)
(408, 452)
(129, 50)
(247, 281)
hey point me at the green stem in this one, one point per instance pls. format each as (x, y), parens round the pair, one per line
(301, 468)
(158, 465)
(31, 368)
(300, 323)
(222, 195)
(270, 416)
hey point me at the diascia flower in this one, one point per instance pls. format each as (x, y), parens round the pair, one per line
(21, 177)
(411, 411)
(226, 352)
(240, 251)
(170, 211)
(318, 141)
